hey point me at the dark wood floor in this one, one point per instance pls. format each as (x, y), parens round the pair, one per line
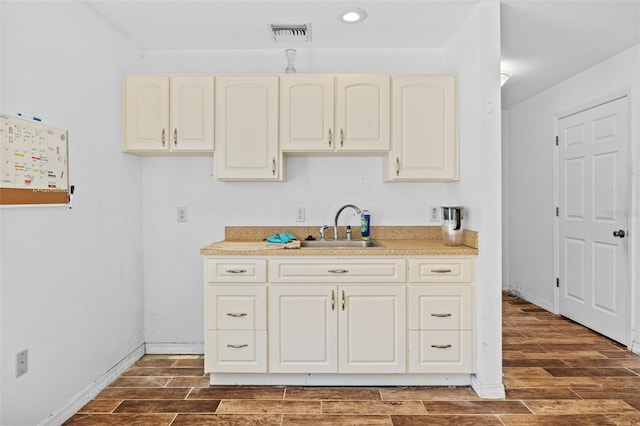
(555, 373)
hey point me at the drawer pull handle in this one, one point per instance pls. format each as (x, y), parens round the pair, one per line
(236, 271)
(441, 271)
(238, 346)
(441, 346)
(338, 271)
(438, 315)
(237, 314)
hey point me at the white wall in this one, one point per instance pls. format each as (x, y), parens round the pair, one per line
(71, 280)
(476, 51)
(531, 171)
(505, 201)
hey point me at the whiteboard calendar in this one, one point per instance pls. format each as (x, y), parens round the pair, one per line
(33, 162)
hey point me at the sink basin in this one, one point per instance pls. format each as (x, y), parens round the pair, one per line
(339, 244)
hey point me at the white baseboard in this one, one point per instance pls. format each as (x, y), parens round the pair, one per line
(493, 391)
(532, 299)
(174, 348)
(339, 379)
(635, 347)
(82, 398)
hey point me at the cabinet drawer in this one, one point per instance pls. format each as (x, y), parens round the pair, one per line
(236, 270)
(243, 351)
(236, 307)
(440, 351)
(337, 270)
(441, 270)
(440, 307)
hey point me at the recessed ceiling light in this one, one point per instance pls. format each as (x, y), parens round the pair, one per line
(353, 15)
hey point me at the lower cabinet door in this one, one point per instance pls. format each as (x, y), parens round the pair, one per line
(236, 351)
(441, 351)
(372, 329)
(302, 329)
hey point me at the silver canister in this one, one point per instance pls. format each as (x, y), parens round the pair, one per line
(452, 229)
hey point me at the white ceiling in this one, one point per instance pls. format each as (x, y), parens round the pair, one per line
(543, 42)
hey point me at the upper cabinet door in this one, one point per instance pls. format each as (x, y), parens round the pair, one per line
(192, 113)
(146, 113)
(246, 127)
(306, 113)
(362, 112)
(425, 140)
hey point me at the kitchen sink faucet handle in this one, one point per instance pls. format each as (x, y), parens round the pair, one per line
(322, 229)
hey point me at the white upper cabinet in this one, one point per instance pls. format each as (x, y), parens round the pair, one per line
(165, 114)
(192, 113)
(306, 113)
(324, 113)
(424, 129)
(146, 113)
(246, 127)
(362, 112)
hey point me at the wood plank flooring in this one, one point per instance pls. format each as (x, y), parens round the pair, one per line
(555, 373)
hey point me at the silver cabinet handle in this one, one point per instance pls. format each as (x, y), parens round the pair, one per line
(237, 314)
(163, 137)
(236, 271)
(333, 300)
(441, 315)
(397, 166)
(441, 346)
(329, 137)
(273, 168)
(341, 137)
(238, 346)
(338, 271)
(175, 137)
(343, 300)
(441, 271)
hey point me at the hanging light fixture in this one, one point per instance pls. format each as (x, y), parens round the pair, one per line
(504, 76)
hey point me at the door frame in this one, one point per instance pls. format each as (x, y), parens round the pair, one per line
(632, 209)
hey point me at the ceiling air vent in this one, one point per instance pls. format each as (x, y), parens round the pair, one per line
(291, 32)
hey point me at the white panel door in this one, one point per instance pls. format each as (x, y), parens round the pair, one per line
(372, 329)
(302, 329)
(192, 113)
(592, 222)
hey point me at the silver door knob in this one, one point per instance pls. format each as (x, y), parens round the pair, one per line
(619, 233)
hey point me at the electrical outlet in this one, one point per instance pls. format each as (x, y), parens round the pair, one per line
(22, 365)
(434, 214)
(182, 214)
(299, 214)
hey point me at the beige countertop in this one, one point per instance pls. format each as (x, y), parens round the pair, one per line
(410, 241)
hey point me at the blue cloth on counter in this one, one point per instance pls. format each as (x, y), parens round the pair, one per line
(281, 238)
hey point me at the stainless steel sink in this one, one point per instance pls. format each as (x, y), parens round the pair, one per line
(340, 244)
